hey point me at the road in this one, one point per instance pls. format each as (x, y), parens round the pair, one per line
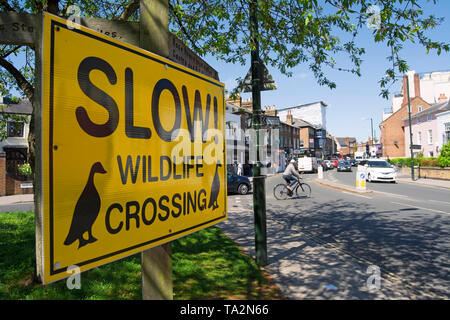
(403, 229)
(435, 198)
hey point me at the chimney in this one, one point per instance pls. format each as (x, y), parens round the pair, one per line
(416, 85)
(405, 93)
(289, 118)
(442, 98)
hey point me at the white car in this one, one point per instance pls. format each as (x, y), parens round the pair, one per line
(377, 170)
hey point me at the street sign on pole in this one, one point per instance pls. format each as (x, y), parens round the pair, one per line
(267, 83)
(133, 150)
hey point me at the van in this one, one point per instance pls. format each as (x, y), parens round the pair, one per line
(307, 164)
(359, 156)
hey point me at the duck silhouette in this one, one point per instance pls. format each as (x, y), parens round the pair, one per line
(215, 188)
(86, 211)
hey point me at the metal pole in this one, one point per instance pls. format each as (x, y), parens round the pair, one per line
(410, 130)
(371, 129)
(259, 195)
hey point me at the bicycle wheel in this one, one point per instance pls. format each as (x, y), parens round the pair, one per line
(280, 191)
(303, 190)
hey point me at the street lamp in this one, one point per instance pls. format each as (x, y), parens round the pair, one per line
(259, 196)
(371, 126)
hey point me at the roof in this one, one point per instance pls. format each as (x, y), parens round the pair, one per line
(299, 123)
(303, 105)
(439, 107)
(24, 107)
(343, 140)
(404, 105)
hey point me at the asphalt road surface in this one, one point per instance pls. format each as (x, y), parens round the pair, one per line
(403, 229)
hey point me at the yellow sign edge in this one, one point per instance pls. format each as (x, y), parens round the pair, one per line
(60, 275)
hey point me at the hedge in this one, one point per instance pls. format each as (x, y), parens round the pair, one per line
(424, 162)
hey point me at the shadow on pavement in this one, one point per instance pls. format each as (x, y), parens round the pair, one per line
(314, 246)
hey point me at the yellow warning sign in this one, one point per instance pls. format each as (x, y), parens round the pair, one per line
(133, 149)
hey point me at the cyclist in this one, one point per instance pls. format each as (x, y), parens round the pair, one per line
(289, 175)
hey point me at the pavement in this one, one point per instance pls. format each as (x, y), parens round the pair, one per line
(22, 202)
(331, 246)
(426, 182)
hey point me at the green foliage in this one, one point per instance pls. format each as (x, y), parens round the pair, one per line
(430, 162)
(444, 157)
(404, 162)
(418, 161)
(304, 32)
(25, 169)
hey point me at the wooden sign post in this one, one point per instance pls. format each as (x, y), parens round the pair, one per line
(156, 263)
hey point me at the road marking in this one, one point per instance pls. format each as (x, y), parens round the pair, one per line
(392, 194)
(408, 205)
(444, 202)
(358, 195)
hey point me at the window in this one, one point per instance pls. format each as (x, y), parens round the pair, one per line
(431, 154)
(419, 138)
(430, 136)
(429, 117)
(447, 132)
(15, 129)
(419, 109)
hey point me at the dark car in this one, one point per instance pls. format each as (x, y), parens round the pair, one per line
(238, 184)
(353, 162)
(344, 165)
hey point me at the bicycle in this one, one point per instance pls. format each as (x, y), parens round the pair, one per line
(301, 189)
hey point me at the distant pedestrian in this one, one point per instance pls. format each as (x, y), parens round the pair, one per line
(240, 169)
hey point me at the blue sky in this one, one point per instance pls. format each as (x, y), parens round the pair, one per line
(355, 97)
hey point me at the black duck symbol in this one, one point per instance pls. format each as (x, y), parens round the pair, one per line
(215, 188)
(86, 211)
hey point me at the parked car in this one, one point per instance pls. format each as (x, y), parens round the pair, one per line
(378, 170)
(329, 164)
(335, 162)
(344, 165)
(353, 162)
(238, 184)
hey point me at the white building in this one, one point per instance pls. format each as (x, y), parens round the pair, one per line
(443, 127)
(234, 135)
(17, 132)
(315, 113)
(432, 87)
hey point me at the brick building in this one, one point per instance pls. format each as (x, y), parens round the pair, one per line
(346, 145)
(393, 129)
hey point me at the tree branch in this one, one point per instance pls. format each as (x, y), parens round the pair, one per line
(23, 84)
(5, 5)
(180, 24)
(4, 56)
(130, 8)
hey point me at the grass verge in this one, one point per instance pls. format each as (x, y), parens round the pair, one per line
(206, 265)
